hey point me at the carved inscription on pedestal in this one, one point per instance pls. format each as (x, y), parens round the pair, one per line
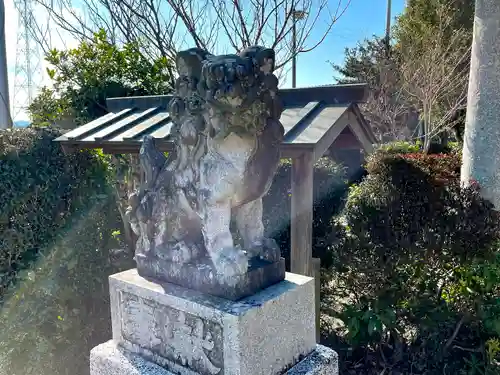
(177, 336)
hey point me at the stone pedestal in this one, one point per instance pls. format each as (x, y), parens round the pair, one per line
(165, 329)
(201, 277)
(111, 359)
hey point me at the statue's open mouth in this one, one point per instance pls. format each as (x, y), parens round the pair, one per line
(232, 97)
(229, 104)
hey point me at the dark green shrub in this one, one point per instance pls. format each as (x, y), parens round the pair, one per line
(416, 269)
(58, 221)
(39, 189)
(330, 189)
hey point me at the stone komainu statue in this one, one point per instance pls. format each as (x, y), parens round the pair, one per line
(227, 134)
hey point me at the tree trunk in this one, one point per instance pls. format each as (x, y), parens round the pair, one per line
(481, 149)
(129, 236)
(427, 130)
(443, 139)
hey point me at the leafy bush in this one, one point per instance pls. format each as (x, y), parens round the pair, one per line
(403, 147)
(84, 77)
(330, 189)
(416, 270)
(57, 221)
(400, 147)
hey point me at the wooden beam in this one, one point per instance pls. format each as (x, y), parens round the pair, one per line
(316, 264)
(293, 151)
(357, 131)
(332, 133)
(302, 214)
(132, 147)
(364, 124)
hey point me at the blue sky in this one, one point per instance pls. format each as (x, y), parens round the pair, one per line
(362, 19)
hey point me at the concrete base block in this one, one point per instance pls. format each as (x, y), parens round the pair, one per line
(322, 361)
(192, 333)
(110, 359)
(165, 329)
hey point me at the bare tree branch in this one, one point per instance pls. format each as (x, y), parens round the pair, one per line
(437, 79)
(387, 109)
(166, 26)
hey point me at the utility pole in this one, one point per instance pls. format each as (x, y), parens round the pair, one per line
(296, 15)
(5, 118)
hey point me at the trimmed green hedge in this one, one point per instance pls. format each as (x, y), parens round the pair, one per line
(58, 222)
(40, 188)
(416, 271)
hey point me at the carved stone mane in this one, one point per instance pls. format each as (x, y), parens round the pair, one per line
(226, 130)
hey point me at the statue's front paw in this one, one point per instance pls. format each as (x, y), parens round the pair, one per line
(183, 253)
(230, 262)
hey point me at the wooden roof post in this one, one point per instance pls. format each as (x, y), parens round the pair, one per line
(302, 214)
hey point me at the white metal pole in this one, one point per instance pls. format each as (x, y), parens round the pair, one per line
(5, 119)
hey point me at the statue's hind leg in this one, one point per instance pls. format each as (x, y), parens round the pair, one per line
(249, 223)
(251, 228)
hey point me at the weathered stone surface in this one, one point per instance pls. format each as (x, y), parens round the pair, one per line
(322, 361)
(226, 129)
(173, 335)
(188, 332)
(110, 359)
(261, 274)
